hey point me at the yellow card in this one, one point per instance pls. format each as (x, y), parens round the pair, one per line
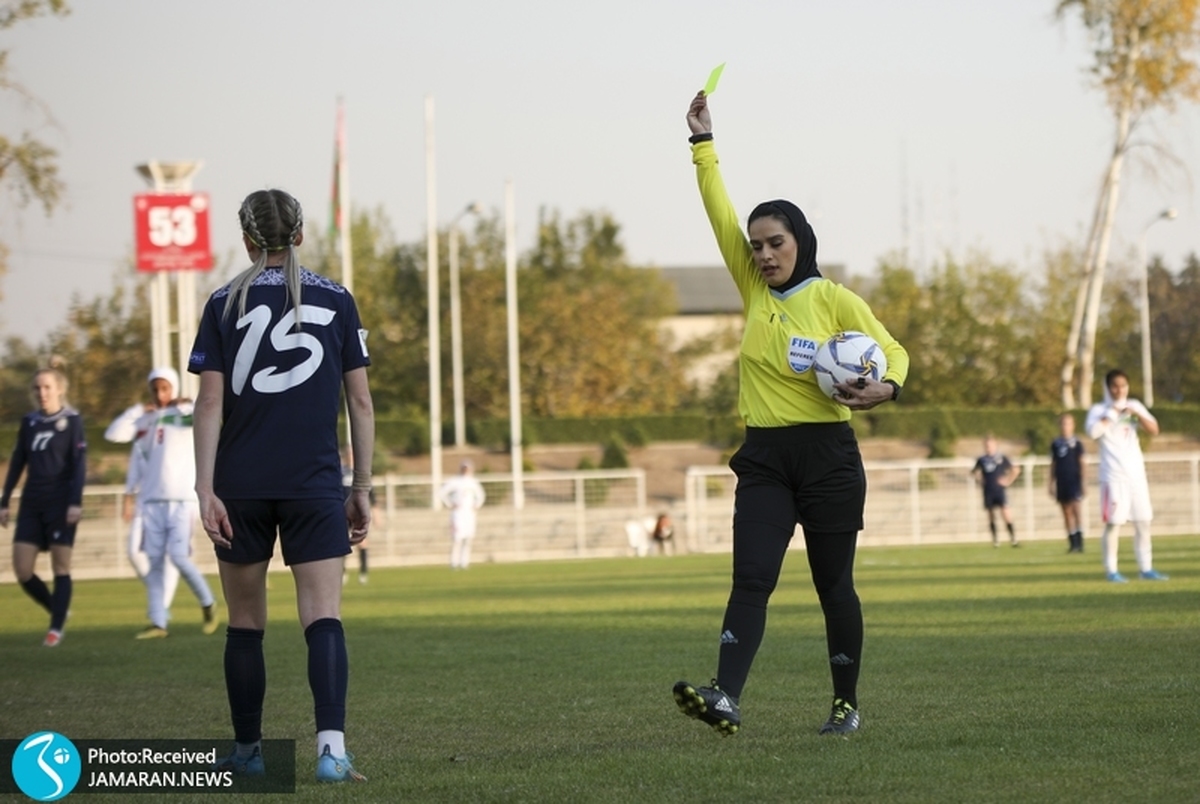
(713, 78)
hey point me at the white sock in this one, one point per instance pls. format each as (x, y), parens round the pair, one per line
(246, 750)
(336, 740)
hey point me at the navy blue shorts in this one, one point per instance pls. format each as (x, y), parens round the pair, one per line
(44, 527)
(309, 530)
(996, 498)
(1072, 492)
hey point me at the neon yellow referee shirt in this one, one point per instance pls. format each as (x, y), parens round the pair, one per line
(778, 387)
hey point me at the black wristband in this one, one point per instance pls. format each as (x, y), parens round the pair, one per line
(896, 388)
(703, 136)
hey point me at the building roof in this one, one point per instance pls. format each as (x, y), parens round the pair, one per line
(704, 290)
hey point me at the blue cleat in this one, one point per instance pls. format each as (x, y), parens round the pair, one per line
(1117, 577)
(337, 769)
(1153, 575)
(243, 766)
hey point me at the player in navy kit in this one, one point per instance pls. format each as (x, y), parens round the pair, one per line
(1066, 479)
(52, 445)
(995, 472)
(275, 348)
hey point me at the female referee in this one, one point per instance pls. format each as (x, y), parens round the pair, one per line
(275, 348)
(51, 443)
(800, 462)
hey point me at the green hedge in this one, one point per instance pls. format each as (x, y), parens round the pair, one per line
(633, 430)
(939, 427)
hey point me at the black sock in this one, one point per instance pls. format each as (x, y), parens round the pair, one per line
(362, 560)
(1012, 534)
(992, 527)
(246, 682)
(328, 673)
(844, 636)
(741, 634)
(61, 601)
(36, 588)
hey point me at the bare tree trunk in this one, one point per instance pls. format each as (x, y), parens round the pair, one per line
(1067, 387)
(1087, 343)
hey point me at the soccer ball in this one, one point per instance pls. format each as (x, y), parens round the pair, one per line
(847, 356)
(62, 756)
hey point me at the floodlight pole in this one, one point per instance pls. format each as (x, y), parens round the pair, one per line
(456, 357)
(514, 349)
(433, 300)
(1168, 214)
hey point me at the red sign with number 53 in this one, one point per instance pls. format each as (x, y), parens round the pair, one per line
(172, 232)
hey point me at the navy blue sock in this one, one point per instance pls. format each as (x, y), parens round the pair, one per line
(246, 682)
(36, 588)
(328, 672)
(60, 602)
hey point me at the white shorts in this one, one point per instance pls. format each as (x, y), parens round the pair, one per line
(462, 525)
(1124, 501)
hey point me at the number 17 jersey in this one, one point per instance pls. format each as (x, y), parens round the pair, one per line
(283, 381)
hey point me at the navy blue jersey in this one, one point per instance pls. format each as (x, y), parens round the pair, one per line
(279, 434)
(54, 449)
(993, 469)
(1066, 461)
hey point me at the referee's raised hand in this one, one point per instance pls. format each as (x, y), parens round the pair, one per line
(698, 117)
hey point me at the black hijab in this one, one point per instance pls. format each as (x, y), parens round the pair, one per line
(806, 240)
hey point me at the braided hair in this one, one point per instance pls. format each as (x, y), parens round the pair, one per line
(272, 221)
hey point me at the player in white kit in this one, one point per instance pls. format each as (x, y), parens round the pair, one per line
(1124, 490)
(127, 428)
(168, 502)
(463, 495)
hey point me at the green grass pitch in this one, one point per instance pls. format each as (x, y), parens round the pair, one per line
(989, 676)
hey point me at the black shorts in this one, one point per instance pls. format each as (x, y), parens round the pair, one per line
(995, 498)
(44, 527)
(820, 467)
(309, 530)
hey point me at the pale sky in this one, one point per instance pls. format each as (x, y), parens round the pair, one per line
(974, 121)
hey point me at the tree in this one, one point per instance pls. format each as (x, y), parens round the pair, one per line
(588, 328)
(103, 349)
(977, 333)
(28, 167)
(1176, 330)
(1142, 60)
(589, 340)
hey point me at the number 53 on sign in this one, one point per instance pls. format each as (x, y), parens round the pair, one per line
(171, 231)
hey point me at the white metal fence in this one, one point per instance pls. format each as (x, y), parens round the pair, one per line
(937, 501)
(566, 514)
(582, 514)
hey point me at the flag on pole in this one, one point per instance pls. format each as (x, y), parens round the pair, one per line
(336, 224)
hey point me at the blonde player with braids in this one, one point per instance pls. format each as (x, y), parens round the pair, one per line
(276, 347)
